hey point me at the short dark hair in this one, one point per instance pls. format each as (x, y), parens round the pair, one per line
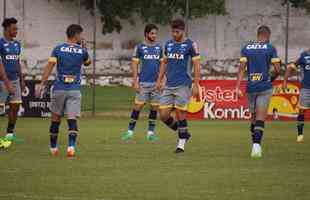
(8, 21)
(263, 30)
(149, 27)
(178, 24)
(74, 29)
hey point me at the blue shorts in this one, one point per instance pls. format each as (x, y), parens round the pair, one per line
(304, 98)
(176, 97)
(259, 100)
(147, 94)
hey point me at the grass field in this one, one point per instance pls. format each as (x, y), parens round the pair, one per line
(216, 165)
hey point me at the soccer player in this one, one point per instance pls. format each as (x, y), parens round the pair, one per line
(256, 58)
(66, 96)
(178, 52)
(12, 82)
(149, 55)
(303, 63)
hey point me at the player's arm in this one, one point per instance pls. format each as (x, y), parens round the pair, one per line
(241, 70)
(87, 60)
(135, 68)
(20, 73)
(46, 73)
(162, 72)
(5, 79)
(196, 63)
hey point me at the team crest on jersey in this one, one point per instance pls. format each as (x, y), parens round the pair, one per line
(170, 44)
(157, 48)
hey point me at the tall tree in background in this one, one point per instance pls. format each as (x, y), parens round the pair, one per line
(115, 12)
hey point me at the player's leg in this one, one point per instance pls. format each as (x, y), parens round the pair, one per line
(58, 99)
(261, 110)
(154, 101)
(73, 111)
(252, 102)
(183, 95)
(304, 104)
(140, 99)
(54, 131)
(166, 104)
(14, 104)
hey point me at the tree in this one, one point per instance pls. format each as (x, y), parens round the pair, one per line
(303, 4)
(115, 12)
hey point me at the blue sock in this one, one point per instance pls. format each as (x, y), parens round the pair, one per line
(73, 130)
(300, 123)
(133, 120)
(152, 120)
(54, 130)
(182, 129)
(72, 139)
(258, 131)
(252, 130)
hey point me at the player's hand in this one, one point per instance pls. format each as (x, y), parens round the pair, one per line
(195, 90)
(158, 86)
(83, 43)
(238, 92)
(136, 86)
(10, 88)
(39, 90)
(284, 86)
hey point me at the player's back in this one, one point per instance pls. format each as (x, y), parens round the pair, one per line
(69, 59)
(258, 56)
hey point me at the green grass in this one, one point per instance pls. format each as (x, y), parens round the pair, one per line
(216, 164)
(116, 99)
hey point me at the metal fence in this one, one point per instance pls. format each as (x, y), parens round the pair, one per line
(26, 8)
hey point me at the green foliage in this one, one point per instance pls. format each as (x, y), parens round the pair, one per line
(303, 4)
(114, 13)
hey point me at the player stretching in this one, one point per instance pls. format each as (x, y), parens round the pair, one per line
(304, 100)
(149, 55)
(256, 58)
(179, 88)
(66, 96)
(12, 79)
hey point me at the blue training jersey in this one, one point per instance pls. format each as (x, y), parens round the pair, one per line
(259, 57)
(10, 52)
(149, 57)
(69, 59)
(304, 63)
(179, 57)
